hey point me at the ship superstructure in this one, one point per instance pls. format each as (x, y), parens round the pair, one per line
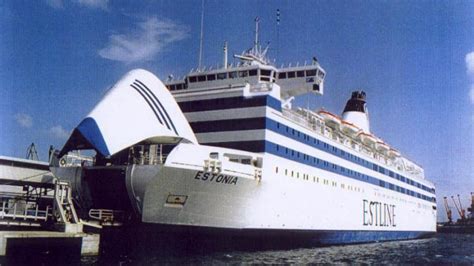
(249, 163)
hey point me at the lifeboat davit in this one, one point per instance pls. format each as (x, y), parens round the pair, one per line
(330, 119)
(349, 128)
(382, 146)
(393, 153)
(367, 139)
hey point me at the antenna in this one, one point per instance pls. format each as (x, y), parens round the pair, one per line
(225, 54)
(202, 35)
(257, 19)
(278, 33)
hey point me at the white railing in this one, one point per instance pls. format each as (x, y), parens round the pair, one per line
(23, 210)
(310, 120)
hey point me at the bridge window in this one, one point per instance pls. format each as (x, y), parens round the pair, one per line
(201, 78)
(211, 77)
(179, 86)
(291, 75)
(311, 73)
(222, 76)
(252, 72)
(243, 74)
(265, 72)
(300, 74)
(320, 74)
(233, 75)
(282, 75)
(192, 79)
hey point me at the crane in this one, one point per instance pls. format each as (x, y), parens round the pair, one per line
(471, 209)
(459, 209)
(463, 211)
(31, 153)
(449, 213)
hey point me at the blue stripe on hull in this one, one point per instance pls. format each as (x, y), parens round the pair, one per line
(279, 237)
(229, 103)
(290, 154)
(352, 237)
(289, 132)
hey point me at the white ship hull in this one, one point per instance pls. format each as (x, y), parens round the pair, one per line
(267, 171)
(317, 210)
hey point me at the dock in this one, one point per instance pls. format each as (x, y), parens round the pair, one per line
(37, 214)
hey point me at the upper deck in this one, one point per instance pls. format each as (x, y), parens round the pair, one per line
(293, 81)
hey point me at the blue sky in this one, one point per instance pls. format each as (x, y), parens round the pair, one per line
(413, 58)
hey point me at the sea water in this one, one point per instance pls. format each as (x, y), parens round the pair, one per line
(440, 249)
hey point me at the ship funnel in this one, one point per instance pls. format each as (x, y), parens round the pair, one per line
(136, 109)
(356, 111)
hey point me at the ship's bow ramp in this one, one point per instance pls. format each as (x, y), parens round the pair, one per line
(138, 108)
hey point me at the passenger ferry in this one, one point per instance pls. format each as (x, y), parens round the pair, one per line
(222, 152)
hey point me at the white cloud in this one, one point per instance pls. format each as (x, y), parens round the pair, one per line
(59, 132)
(56, 4)
(24, 120)
(144, 42)
(470, 64)
(95, 4)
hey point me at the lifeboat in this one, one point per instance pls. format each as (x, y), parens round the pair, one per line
(349, 128)
(367, 139)
(393, 153)
(382, 146)
(330, 119)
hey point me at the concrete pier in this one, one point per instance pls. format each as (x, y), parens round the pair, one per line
(26, 243)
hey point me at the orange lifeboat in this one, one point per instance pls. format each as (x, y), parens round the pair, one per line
(382, 146)
(349, 128)
(367, 139)
(393, 153)
(330, 119)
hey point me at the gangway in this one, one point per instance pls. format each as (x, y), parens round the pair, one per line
(38, 206)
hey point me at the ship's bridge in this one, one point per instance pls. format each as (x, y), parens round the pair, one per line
(226, 77)
(293, 81)
(255, 71)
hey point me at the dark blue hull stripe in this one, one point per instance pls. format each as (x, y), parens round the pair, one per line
(250, 146)
(303, 158)
(312, 161)
(326, 147)
(280, 236)
(229, 103)
(267, 123)
(228, 125)
(159, 103)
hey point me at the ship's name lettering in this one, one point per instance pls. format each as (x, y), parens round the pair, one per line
(378, 214)
(218, 178)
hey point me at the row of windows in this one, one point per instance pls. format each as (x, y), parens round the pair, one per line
(300, 74)
(325, 165)
(316, 179)
(353, 158)
(232, 75)
(175, 87)
(265, 75)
